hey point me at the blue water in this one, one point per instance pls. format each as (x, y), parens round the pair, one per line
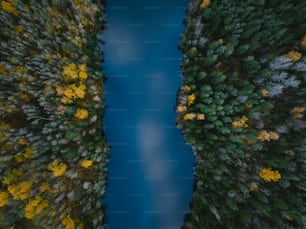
(150, 175)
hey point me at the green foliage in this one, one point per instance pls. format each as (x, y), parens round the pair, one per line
(250, 85)
(52, 147)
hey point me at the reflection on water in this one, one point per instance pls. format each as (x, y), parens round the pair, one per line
(150, 169)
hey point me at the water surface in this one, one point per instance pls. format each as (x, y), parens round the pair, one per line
(151, 168)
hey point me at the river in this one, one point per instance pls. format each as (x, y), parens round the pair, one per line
(150, 173)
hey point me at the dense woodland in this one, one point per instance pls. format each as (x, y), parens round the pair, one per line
(241, 107)
(53, 153)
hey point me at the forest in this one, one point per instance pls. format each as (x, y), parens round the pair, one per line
(241, 108)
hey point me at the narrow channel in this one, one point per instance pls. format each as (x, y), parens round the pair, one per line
(150, 173)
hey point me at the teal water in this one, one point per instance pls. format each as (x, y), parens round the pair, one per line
(150, 174)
